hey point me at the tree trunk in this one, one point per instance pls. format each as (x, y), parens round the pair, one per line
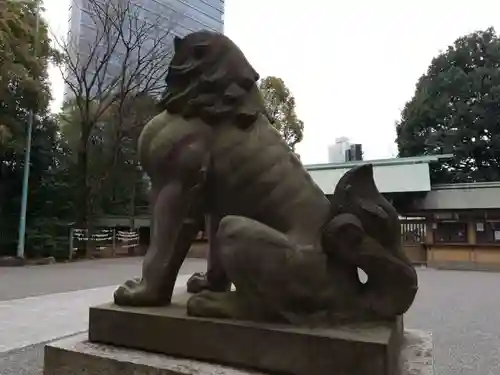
(82, 190)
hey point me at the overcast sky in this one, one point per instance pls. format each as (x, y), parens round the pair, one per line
(351, 65)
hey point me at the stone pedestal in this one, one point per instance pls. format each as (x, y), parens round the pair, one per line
(77, 356)
(356, 349)
(165, 341)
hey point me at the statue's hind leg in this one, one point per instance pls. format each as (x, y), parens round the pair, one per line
(269, 272)
(245, 249)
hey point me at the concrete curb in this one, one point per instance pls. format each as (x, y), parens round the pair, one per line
(20, 262)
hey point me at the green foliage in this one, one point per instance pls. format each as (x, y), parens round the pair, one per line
(113, 174)
(23, 75)
(49, 199)
(280, 105)
(24, 87)
(456, 109)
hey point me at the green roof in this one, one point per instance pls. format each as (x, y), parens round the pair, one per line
(394, 161)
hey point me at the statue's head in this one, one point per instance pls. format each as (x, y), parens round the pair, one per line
(210, 78)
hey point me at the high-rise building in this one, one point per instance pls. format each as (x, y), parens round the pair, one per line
(336, 152)
(180, 17)
(344, 151)
(354, 153)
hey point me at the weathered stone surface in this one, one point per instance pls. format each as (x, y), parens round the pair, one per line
(367, 348)
(416, 354)
(77, 356)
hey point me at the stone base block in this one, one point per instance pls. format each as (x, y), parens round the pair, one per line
(416, 353)
(77, 356)
(348, 350)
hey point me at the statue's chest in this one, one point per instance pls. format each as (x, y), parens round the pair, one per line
(232, 169)
(245, 154)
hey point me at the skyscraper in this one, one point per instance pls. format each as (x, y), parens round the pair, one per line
(354, 153)
(177, 17)
(336, 152)
(344, 151)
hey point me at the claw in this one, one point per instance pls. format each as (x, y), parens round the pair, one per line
(122, 295)
(132, 283)
(136, 293)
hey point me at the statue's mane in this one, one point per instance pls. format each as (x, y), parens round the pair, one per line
(210, 78)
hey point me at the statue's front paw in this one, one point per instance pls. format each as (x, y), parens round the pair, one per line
(136, 292)
(197, 283)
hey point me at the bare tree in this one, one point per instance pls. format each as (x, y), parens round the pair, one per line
(125, 57)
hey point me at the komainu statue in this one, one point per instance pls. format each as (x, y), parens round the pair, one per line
(292, 254)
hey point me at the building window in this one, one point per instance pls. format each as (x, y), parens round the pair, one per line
(450, 232)
(487, 232)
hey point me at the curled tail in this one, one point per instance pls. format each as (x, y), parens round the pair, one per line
(364, 231)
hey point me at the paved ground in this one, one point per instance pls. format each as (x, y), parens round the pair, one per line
(42, 303)
(20, 282)
(462, 309)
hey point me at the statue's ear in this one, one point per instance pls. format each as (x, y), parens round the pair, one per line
(177, 42)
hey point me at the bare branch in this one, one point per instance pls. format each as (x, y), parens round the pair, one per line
(129, 51)
(121, 55)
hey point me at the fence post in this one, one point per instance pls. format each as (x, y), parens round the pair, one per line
(114, 242)
(71, 235)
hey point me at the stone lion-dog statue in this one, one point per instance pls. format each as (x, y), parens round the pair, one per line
(291, 253)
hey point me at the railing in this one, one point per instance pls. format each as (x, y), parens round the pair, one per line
(413, 232)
